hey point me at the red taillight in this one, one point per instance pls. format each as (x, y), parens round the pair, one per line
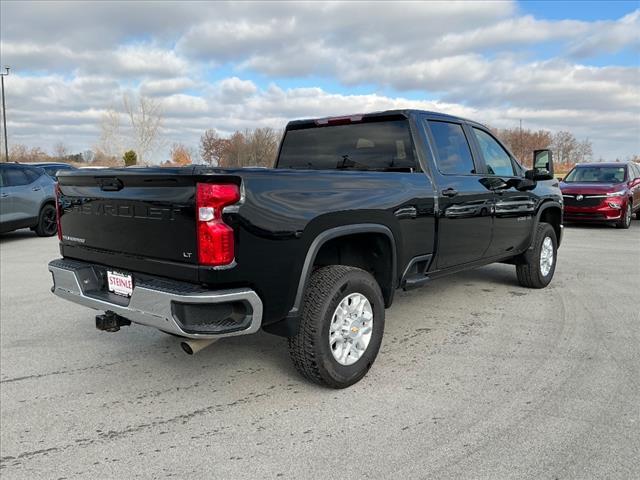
(215, 238)
(339, 120)
(58, 210)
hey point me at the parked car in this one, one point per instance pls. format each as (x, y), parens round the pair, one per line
(313, 249)
(27, 199)
(52, 168)
(602, 192)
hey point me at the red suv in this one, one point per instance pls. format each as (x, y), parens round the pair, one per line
(602, 192)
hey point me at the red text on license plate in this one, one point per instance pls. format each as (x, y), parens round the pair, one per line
(120, 283)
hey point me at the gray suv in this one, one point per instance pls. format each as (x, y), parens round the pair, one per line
(27, 199)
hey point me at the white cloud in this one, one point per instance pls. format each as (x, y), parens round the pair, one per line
(478, 59)
(232, 90)
(609, 37)
(166, 86)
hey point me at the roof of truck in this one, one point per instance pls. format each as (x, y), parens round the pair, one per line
(385, 113)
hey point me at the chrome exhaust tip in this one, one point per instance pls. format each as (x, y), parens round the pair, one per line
(192, 346)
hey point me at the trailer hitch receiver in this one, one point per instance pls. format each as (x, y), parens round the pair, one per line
(111, 322)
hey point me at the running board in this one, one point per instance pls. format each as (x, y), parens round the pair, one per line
(415, 282)
(415, 274)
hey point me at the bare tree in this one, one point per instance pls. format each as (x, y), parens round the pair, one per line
(212, 147)
(262, 146)
(564, 147)
(18, 153)
(21, 153)
(251, 148)
(102, 159)
(235, 151)
(146, 117)
(584, 151)
(60, 151)
(111, 139)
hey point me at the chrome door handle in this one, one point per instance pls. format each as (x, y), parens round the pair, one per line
(5, 195)
(450, 192)
(36, 189)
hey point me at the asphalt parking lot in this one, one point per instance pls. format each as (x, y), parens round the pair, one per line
(477, 378)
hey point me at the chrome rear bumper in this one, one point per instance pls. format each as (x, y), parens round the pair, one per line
(152, 300)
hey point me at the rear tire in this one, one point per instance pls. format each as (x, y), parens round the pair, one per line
(47, 224)
(540, 260)
(625, 218)
(329, 327)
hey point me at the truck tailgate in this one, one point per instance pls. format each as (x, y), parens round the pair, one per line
(134, 213)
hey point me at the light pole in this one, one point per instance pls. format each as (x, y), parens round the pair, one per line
(4, 117)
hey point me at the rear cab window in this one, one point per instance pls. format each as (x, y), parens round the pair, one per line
(379, 145)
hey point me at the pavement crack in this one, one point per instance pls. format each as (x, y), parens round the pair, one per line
(104, 437)
(60, 372)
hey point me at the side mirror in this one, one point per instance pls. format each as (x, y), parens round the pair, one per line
(542, 166)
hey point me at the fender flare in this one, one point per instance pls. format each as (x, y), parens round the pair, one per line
(545, 206)
(330, 234)
(45, 201)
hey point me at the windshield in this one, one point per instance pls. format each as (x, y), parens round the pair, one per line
(596, 175)
(384, 145)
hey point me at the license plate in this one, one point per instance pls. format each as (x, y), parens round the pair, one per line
(120, 283)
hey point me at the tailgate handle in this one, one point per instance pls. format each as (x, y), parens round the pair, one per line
(110, 184)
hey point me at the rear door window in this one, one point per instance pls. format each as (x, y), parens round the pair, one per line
(15, 177)
(32, 174)
(496, 158)
(452, 148)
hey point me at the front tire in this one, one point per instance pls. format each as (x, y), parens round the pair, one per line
(341, 328)
(625, 218)
(539, 262)
(47, 224)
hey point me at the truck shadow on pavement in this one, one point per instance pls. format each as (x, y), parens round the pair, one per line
(233, 359)
(226, 359)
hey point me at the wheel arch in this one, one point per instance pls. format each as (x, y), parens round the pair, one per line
(289, 325)
(346, 233)
(47, 201)
(551, 212)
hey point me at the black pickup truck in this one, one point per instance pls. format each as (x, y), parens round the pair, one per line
(312, 249)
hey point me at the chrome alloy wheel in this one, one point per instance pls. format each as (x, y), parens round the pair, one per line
(627, 215)
(351, 328)
(546, 256)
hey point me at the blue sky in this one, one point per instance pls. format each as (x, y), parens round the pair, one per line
(555, 65)
(587, 11)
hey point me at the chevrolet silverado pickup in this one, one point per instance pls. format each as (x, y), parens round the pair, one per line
(312, 249)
